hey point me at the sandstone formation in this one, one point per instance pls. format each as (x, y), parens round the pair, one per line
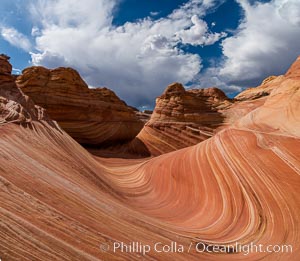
(263, 90)
(182, 118)
(144, 115)
(5, 69)
(14, 105)
(294, 71)
(186, 117)
(279, 115)
(251, 99)
(58, 202)
(91, 116)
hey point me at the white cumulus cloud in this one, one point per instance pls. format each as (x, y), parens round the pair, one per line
(198, 33)
(266, 43)
(139, 57)
(15, 38)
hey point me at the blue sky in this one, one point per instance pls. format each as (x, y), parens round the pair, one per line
(137, 48)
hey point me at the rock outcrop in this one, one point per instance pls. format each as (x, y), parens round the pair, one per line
(253, 98)
(280, 112)
(5, 69)
(15, 107)
(182, 118)
(91, 116)
(264, 89)
(294, 71)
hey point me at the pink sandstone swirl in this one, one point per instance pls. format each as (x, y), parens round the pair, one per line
(58, 202)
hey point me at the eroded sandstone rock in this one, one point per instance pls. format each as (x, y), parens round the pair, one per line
(91, 116)
(15, 107)
(183, 118)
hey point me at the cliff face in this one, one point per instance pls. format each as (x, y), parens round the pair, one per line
(91, 116)
(183, 118)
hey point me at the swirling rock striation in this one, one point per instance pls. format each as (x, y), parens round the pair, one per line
(91, 116)
(58, 202)
(183, 118)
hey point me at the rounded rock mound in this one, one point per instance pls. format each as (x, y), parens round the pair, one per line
(91, 116)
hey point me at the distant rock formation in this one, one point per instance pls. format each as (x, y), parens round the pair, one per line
(264, 89)
(182, 118)
(91, 116)
(144, 115)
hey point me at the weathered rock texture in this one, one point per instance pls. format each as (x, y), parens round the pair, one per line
(5, 69)
(14, 105)
(279, 114)
(91, 116)
(144, 115)
(183, 118)
(239, 187)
